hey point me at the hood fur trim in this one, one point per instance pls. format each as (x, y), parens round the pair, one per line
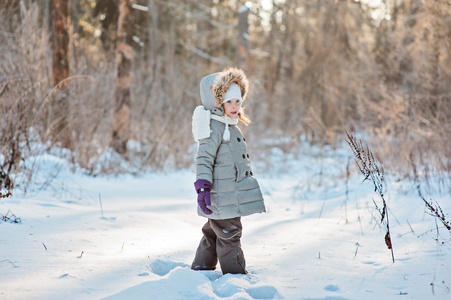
(223, 81)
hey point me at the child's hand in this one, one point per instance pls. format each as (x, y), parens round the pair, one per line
(204, 199)
(203, 188)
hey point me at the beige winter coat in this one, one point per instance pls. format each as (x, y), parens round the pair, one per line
(226, 164)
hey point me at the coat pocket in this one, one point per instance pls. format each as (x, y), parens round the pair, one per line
(242, 171)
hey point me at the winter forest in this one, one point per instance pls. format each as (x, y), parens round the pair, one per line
(350, 139)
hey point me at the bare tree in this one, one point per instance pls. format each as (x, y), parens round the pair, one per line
(435, 61)
(60, 108)
(243, 37)
(124, 60)
(60, 40)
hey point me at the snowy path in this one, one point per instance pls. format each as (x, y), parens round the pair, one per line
(141, 248)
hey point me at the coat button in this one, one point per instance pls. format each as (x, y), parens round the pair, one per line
(244, 139)
(238, 139)
(248, 156)
(252, 174)
(244, 156)
(247, 173)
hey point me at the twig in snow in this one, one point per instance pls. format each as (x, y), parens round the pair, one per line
(101, 208)
(426, 232)
(355, 254)
(411, 229)
(9, 262)
(10, 218)
(321, 211)
(360, 222)
(44, 246)
(358, 215)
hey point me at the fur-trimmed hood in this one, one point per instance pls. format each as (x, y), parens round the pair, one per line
(208, 99)
(223, 81)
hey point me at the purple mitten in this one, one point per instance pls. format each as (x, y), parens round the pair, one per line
(203, 188)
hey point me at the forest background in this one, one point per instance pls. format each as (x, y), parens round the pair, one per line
(115, 79)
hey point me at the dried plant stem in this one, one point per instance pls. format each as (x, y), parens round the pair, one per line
(372, 169)
(435, 211)
(388, 241)
(411, 229)
(347, 188)
(8, 261)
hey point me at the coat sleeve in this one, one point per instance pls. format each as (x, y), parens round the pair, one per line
(206, 154)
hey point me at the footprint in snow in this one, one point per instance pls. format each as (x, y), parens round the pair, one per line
(264, 292)
(242, 287)
(181, 282)
(332, 288)
(163, 267)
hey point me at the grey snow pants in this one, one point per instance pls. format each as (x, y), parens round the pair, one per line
(221, 241)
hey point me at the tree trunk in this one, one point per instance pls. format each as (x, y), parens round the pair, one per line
(60, 40)
(243, 38)
(271, 69)
(60, 108)
(435, 63)
(124, 59)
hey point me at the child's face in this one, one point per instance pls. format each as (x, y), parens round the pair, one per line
(232, 108)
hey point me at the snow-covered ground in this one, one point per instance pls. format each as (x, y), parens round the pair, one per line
(315, 242)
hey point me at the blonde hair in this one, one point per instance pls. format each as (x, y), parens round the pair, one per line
(243, 117)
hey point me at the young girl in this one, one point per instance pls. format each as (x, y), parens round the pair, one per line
(225, 184)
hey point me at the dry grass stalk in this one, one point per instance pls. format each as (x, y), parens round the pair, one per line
(10, 218)
(434, 209)
(372, 169)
